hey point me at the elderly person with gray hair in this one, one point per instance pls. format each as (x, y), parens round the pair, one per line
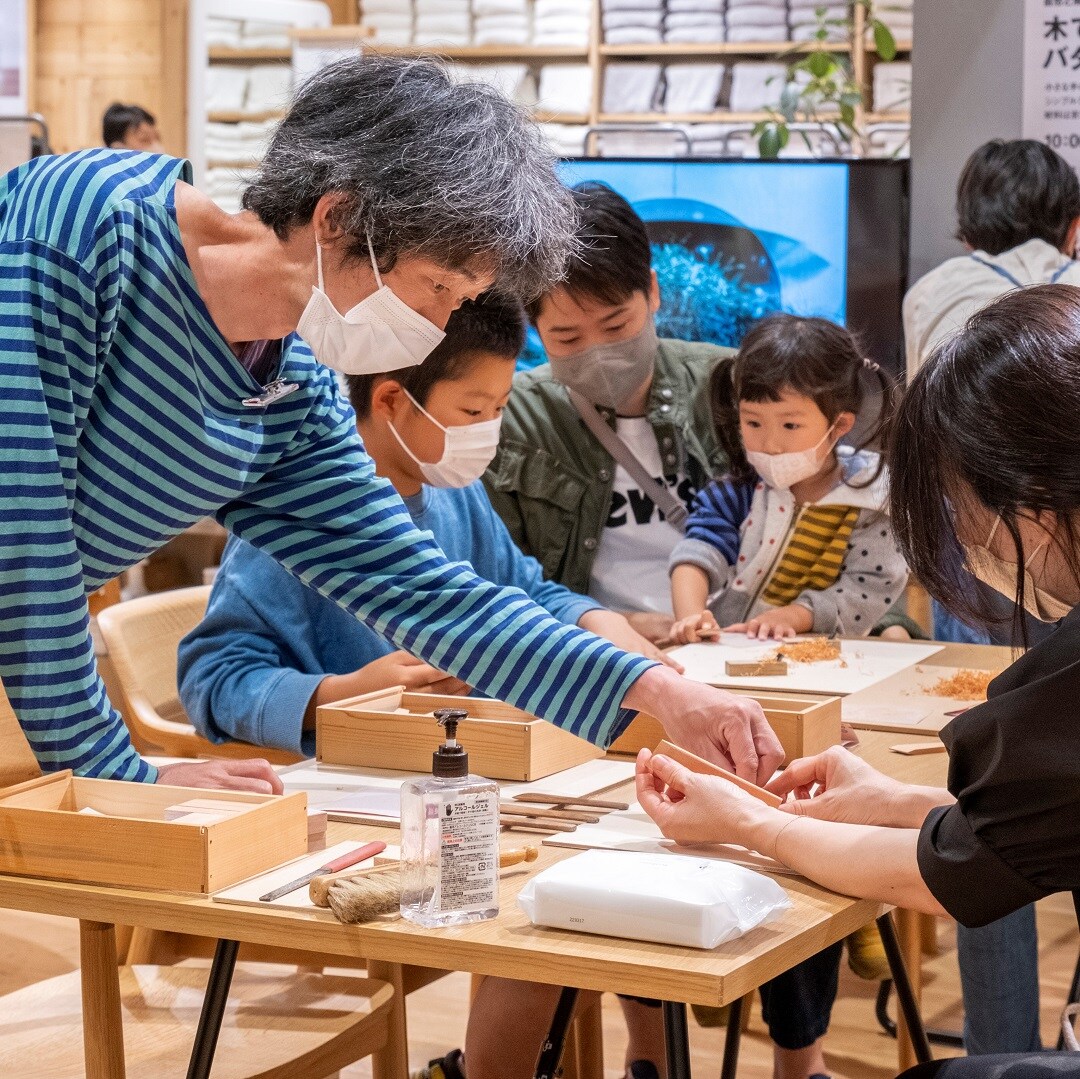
(162, 360)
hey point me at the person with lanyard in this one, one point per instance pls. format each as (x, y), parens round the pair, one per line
(983, 460)
(1018, 215)
(604, 447)
(163, 360)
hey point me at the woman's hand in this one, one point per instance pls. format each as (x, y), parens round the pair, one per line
(839, 786)
(615, 628)
(228, 775)
(694, 628)
(693, 808)
(776, 625)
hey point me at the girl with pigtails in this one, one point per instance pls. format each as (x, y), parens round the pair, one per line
(795, 538)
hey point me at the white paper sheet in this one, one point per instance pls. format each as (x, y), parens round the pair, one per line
(247, 892)
(867, 663)
(633, 830)
(372, 794)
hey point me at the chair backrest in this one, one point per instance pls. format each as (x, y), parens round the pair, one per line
(17, 761)
(142, 636)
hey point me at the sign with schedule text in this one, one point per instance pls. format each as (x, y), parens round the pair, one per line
(1052, 75)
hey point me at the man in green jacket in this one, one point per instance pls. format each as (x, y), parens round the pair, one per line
(566, 500)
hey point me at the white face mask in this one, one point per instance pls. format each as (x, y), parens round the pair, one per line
(467, 450)
(381, 333)
(1002, 576)
(782, 470)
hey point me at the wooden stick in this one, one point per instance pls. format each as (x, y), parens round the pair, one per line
(516, 809)
(562, 800)
(762, 668)
(528, 827)
(699, 764)
(915, 749)
(554, 825)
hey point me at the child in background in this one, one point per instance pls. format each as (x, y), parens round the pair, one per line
(130, 127)
(795, 538)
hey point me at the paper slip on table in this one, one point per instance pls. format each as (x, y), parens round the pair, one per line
(506, 946)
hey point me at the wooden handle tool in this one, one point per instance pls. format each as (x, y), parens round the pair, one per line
(361, 854)
(699, 764)
(560, 800)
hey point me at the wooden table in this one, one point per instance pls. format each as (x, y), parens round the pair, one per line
(507, 946)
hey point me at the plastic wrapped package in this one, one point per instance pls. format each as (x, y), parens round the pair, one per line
(667, 898)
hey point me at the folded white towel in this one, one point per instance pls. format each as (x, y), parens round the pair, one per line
(403, 36)
(810, 33)
(615, 19)
(565, 88)
(444, 39)
(692, 87)
(631, 87)
(892, 86)
(712, 7)
(515, 81)
(756, 15)
(644, 143)
(269, 87)
(483, 34)
(756, 86)
(632, 35)
(544, 8)
(695, 35)
(630, 5)
(734, 5)
(744, 34)
(680, 20)
(226, 87)
(483, 8)
(442, 24)
(223, 33)
(386, 21)
(384, 7)
(261, 34)
(569, 39)
(442, 7)
(566, 140)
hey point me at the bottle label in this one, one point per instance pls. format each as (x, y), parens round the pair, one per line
(469, 853)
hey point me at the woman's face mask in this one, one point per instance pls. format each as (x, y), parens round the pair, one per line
(609, 375)
(1003, 576)
(783, 470)
(381, 333)
(467, 450)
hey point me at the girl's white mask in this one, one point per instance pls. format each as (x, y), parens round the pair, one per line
(467, 450)
(782, 470)
(1003, 576)
(381, 333)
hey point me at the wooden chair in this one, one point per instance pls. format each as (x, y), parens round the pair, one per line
(281, 1023)
(142, 636)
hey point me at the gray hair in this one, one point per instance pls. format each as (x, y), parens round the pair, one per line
(449, 171)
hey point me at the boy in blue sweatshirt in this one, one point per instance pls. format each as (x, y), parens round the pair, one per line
(270, 650)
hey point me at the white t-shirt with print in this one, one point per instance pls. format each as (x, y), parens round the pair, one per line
(631, 568)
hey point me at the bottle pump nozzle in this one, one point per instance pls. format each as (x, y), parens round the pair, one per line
(450, 761)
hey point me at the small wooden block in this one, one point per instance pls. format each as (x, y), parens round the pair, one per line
(704, 767)
(916, 749)
(763, 668)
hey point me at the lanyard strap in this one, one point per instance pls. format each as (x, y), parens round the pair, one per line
(673, 510)
(1019, 284)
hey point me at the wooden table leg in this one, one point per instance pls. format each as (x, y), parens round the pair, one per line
(909, 934)
(392, 1060)
(103, 1028)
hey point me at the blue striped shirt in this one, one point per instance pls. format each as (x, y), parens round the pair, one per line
(123, 425)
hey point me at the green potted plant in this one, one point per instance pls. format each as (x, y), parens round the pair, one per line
(818, 84)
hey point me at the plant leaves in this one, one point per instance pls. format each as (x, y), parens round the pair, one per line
(820, 64)
(772, 140)
(884, 41)
(847, 114)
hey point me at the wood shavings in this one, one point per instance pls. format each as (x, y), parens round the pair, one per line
(963, 686)
(812, 651)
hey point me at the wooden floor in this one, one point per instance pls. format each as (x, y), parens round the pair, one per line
(34, 947)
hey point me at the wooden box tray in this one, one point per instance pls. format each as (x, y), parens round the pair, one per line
(395, 729)
(125, 840)
(805, 724)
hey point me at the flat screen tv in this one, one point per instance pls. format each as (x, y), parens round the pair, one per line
(736, 240)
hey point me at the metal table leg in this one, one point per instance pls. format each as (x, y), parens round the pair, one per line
(547, 1064)
(732, 1039)
(676, 1040)
(213, 1009)
(904, 994)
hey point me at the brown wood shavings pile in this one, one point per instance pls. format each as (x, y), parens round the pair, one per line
(963, 686)
(812, 651)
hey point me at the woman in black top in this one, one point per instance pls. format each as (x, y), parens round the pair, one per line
(985, 465)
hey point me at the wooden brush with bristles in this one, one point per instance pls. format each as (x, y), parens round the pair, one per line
(357, 896)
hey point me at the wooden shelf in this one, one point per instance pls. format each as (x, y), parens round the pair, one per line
(720, 117)
(219, 52)
(541, 116)
(901, 46)
(899, 117)
(493, 53)
(234, 117)
(233, 163)
(721, 48)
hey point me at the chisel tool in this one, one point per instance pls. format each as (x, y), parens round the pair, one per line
(368, 850)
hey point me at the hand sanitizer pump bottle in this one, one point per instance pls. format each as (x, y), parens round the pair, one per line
(449, 838)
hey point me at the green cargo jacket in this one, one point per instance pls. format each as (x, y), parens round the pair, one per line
(551, 481)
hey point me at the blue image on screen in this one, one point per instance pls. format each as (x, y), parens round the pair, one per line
(734, 241)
